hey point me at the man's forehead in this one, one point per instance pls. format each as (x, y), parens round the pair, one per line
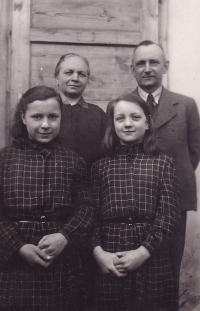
(147, 52)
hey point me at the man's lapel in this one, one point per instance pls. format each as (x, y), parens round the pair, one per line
(165, 110)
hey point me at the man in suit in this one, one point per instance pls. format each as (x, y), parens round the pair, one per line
(177, 121)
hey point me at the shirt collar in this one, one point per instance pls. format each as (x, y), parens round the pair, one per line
(80, 102)
(131, 150)
(44, 149)
(155, 94)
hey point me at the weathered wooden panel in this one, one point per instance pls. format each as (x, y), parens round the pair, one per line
(20, 57)
(86, 14)
(149, 20)
(5, 28)
(103, 31)
(105, 22)
(83, 36)
(163, 32)
(110, 68)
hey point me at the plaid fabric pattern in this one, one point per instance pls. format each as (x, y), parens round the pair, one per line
(40, 180)
(145, 188)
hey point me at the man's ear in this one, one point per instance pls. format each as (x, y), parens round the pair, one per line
(132, 70)
(166, 66)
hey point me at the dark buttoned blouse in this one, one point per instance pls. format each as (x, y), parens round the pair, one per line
(82, 130)
(137, 201)
(40, 180)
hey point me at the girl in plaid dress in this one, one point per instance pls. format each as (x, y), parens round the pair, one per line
(136, 194)
(45, 205)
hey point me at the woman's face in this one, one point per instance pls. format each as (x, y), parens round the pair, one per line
(42, 120)
(130, 122)
(73, 77)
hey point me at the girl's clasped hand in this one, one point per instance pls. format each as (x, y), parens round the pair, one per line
(48, 248)
(136, 193)
(120, 263)
(45, 202)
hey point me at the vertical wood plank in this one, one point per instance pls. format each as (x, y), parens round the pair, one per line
(20, 59)
(5, 26)
(163, 32)
(149, 20)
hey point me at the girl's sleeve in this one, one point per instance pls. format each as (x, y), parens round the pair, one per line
(168, 214)
(82, 220)
(96, 190)
(9, 240)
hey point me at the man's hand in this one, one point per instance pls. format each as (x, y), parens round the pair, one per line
(105, 262)
(53, 244)
(131, 260)
(34, 256)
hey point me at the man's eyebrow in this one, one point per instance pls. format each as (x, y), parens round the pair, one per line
(154, 60)
(141, 61)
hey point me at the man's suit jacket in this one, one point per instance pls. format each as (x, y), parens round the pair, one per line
(177, 121)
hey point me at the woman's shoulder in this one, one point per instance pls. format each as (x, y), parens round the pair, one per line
(93, 108)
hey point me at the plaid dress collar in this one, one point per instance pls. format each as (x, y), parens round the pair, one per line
(131, 150)
(44, 149)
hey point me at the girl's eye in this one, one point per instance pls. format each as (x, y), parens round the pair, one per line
(135, 117)
(119, 118)
(37, 117)
(68, 73)
(82, 75)
(53, 117)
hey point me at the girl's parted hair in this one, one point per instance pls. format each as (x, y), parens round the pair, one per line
(111, 140)
(42, 93)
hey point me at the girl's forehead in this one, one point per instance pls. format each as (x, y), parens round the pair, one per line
(125, 106)
(50, 104)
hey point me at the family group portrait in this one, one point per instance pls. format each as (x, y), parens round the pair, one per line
(99, 155)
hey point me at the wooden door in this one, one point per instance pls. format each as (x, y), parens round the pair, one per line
(105, 32)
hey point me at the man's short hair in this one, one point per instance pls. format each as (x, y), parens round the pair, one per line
(147, 43)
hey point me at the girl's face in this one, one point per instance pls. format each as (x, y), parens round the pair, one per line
(42, 119)
(130, 122)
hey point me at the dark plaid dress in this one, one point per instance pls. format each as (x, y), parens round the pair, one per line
(37, 180)
(137, 200)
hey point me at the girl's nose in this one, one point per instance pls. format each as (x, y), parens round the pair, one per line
(127, 122)
(45, 124)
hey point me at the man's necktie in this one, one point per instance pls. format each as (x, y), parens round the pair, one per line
(150, 102)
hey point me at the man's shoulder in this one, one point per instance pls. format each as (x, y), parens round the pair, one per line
(177, 97)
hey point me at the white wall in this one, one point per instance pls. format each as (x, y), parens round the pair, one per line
(184, 78)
